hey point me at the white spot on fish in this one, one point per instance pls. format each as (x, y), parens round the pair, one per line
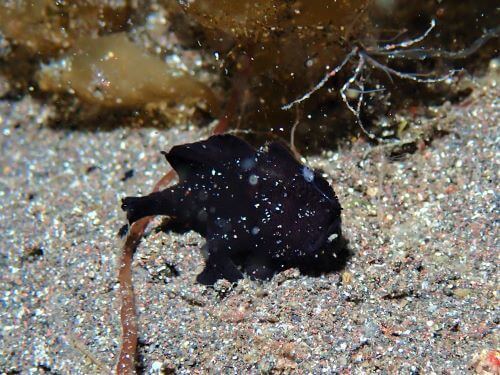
(253, 179)
(308, 174)
(332, 237)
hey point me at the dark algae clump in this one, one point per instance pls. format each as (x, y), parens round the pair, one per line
(158, 63)
(261, 211)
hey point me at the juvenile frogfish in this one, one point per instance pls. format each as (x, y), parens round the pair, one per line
(260, 210)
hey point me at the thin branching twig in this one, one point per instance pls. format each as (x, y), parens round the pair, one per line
(393, 50)
(409, 42)
(356, 111)
(323, 81)
(423, 53)
(411, 76)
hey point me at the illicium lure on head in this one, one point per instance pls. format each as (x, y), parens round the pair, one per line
(261, 211)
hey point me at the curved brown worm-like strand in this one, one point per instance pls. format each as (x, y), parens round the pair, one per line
(128, 315)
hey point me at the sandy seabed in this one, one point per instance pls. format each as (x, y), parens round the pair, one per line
(418, 295)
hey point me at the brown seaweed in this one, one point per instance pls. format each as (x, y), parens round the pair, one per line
(112, 71)
(45, 27)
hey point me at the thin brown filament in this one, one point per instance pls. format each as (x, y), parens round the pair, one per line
(128, 314)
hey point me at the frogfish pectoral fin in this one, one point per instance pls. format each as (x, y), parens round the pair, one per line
(149, 205)
(219, 266)
(137, 208)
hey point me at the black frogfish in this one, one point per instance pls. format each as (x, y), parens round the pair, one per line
(260, 211)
